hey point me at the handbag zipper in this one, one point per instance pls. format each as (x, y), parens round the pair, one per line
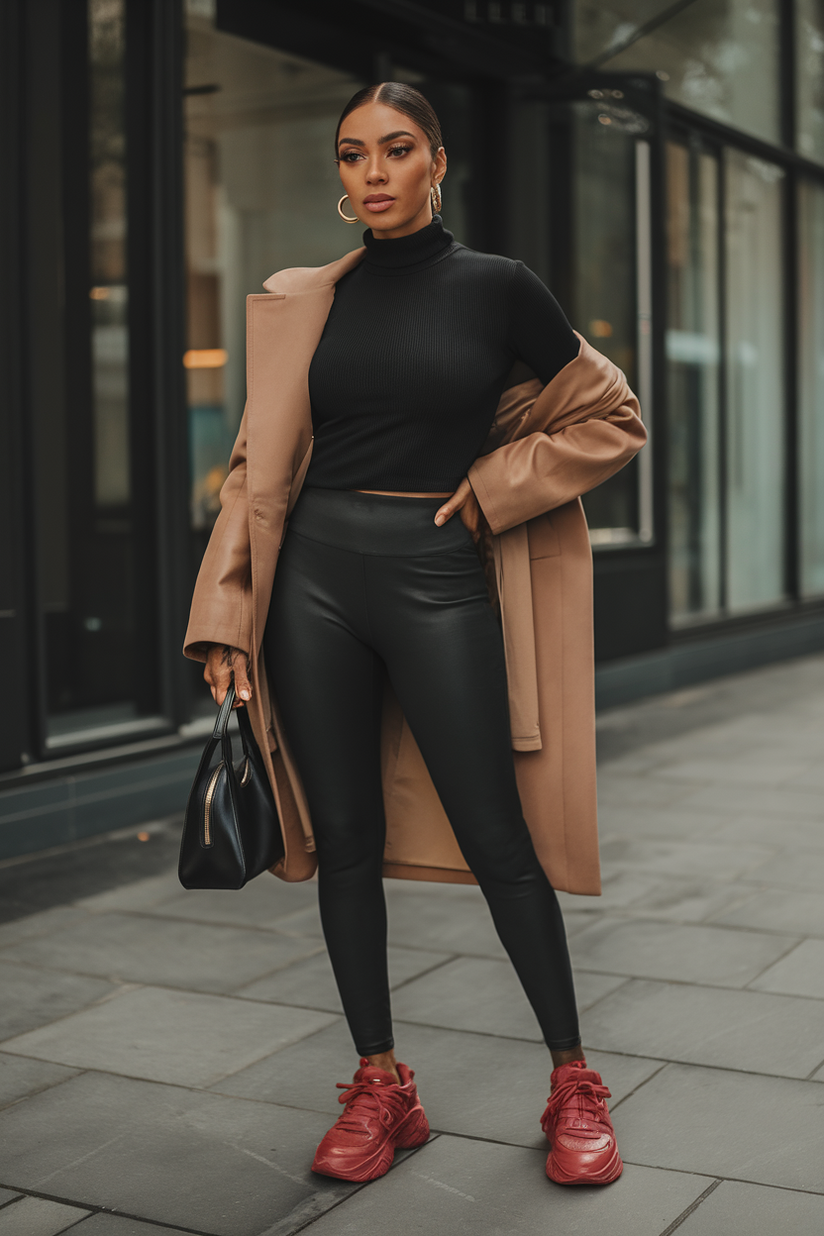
(207, 803)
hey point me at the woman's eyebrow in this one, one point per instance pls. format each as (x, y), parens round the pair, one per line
(390, 137)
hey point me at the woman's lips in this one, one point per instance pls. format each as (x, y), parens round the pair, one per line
(377, 204)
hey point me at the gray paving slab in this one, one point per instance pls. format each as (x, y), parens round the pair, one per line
(775, 909)
(768, 829)
(102, 1224)
(735, 1209)
(6, 1196)
(141, 895)
(813, 778)
(311, 984)
(190, 1159)
(468, 1083)
(142, 949)
(20, 1077)
(630, 790)
(684, 858)
(34, 1216)
(34, 997)
(797, 868)
(170, 1036)
(453, 1187)
(801, 973)
(442, 923)
(619, 890)
(473, 993)
(718, 956)
(710, 1026)
(761, 800)
(688, 901)
(766, 1130)
(260, 904)
(39, 924)
(763, 768)
(666, 823)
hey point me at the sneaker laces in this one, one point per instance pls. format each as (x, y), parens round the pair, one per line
(578, 1100)
(376, 1096)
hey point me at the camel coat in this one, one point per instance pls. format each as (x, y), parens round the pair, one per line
(547, 446)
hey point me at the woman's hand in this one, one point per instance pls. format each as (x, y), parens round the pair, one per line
(464, 501)
(222, 663)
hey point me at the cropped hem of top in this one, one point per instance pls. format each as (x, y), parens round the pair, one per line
(416, 352)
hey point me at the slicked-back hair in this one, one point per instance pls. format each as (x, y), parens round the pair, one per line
(404, 99)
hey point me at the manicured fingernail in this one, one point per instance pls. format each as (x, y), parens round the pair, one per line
(246, 695)
(439, 519)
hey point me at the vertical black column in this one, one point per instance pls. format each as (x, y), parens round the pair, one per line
(156, 259)
(15, 517)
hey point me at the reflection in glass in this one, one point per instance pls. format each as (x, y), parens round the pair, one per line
(755, 396)
(261, 194)
(693, 355)
(604, 308)
(809, 78)
(811, 385)
(95, 521)
(719, 57)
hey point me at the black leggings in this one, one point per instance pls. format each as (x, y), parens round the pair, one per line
(366, 585)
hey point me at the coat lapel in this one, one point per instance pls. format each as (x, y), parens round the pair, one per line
(283, 330)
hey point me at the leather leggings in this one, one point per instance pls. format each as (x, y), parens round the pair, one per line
(367, 585)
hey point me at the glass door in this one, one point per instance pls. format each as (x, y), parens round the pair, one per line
(261, 195)
(610, 293)
(725, 378)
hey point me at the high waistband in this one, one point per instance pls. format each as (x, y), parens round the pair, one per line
(376, 523)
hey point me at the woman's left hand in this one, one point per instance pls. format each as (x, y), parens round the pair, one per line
(464, 501)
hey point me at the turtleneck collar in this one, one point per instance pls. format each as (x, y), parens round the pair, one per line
(405, 253)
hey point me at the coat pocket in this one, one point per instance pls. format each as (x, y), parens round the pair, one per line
(543, 538)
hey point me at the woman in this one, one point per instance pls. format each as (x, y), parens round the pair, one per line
(400, 403)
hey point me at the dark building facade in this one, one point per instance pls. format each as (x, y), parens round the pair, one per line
(660, 165)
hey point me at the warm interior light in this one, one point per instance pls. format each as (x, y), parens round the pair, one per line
(143, 836)
(99, 293)
(205, 358)
(600, 328)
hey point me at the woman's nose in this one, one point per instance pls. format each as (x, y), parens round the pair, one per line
(375, 174)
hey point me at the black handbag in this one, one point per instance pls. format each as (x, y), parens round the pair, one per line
(231, 832)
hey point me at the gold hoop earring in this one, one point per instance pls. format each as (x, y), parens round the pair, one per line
(436, 199)
(346, 218)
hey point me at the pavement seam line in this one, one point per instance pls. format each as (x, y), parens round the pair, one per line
(91, 1208)
(691, 1209)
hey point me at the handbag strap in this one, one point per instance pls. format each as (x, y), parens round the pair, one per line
(224, 713)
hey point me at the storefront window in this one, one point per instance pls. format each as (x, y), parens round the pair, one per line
(809, 81)
(811, 386)
(719, 57)
(755, 422)
(261, 194)
(94, 512)
(609, 287)
(693, 358)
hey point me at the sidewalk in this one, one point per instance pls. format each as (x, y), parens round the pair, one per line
(168, 1058)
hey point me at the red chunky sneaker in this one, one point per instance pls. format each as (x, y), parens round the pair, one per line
(578, 1128)
(379, 1117)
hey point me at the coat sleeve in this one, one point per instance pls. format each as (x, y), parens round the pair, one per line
(545, 469)
(221, 610)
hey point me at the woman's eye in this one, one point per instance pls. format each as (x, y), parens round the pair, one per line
(399, 149)
(350, 156)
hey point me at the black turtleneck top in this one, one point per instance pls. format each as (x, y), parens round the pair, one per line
(415, 355)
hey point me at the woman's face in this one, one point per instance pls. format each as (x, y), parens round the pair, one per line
(387, 170)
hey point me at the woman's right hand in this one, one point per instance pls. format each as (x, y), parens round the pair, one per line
(222, 664)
